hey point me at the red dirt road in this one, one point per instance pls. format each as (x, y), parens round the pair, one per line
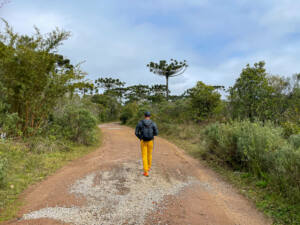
(107, 187)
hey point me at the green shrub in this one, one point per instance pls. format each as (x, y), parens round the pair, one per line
(177, 112)
(290, 128)
(108, 107)
(75, 124)
(8, 124)
(260, 149)
(295, 140)
(205, 101)
(285, 171)
(128, 112)
(139, 114)
(48, 144)
(3, 166)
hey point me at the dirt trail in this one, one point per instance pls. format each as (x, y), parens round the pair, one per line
(107, 187)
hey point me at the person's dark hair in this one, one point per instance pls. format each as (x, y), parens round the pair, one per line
(147, 114)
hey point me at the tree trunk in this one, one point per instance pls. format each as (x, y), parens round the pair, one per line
(167, 84)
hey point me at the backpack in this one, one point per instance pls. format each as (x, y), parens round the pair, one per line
(147, 131)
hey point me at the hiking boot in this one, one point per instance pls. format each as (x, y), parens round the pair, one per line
(146, 174)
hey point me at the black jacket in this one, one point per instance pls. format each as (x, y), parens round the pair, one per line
(139, 127)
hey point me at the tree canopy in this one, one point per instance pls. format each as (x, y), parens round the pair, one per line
(34, 75)
(172, 69)
(250, 91)
(204, 100)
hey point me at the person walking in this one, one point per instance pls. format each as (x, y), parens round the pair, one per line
(145, 131)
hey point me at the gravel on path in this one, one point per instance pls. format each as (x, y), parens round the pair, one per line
(118, 196)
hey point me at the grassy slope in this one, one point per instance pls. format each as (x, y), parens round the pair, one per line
(26, 168)
(267, 200)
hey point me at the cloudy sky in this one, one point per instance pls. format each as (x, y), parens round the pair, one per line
(218, 38)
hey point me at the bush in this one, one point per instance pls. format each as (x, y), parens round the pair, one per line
(48, 144)
(108, 107)
(260, 149)
(290, 128)
(75, 124)
(295, 140)
(3, 166)
(128, 112)
(139, 112)
(205, 101)
(178, 111)
(8, 125)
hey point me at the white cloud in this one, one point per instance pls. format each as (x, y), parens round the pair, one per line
(283, 16)
(24, 20)
(118, 38)
(168, 5)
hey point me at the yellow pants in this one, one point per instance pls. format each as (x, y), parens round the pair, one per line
(147, 147)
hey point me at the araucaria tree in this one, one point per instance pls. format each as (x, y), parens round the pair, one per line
(172, 69)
